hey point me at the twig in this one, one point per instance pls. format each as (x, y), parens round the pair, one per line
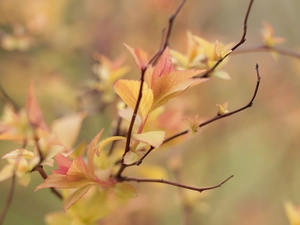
(129, 132)
(139, 180)
(165, 38)
(9, 199)
(217, 117)
(186, 207)
(115, 133)
(40, 168)
(264, 48)
(143, 70)
(11, 191)
(242, 40)
(43, 174)
(7, 99)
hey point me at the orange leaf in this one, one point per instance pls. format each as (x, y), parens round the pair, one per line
(139, 55)
(35, 115)
(91, 152)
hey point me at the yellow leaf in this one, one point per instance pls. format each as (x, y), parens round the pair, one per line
(107, 141)
(153, 138)
(75, 196)
(223, 108)
(17, 153)
(128, 90)
(125, 190)
(6, 172)
(292, 212)
(139, 55)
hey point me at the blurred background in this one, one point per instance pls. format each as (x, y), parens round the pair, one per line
(54, 42)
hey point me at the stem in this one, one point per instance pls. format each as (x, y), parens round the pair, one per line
(43, 174)
(264, 48)
(139, 98)
(9, 199)
(8, 99)
(242, 40)
(217, 117)
(139, 180)
(165, 38)
(163, 45)
(116, 133)
(11, 191)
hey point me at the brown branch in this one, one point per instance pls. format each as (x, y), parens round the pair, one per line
(115, 133)
(242, 40)
(217, 117)
(166, 35)
(9, 199)
(143, 70)
(264, 48)
(129, 132)
(11, 190)
(140, 180)
(186, 207)
(43, 174)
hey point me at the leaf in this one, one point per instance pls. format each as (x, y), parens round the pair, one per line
(153, 171)
(55, 218)
(223, 108)
(79, 150)
(63, 164)
(67, 128)
(139, 55)
(91, 152)
(221, 74)
(107, 141)
(128, 90)
(6, 172)
(126, 114)
(75, 196)
(125, 190)
(58, 181)
(292, 213)
(17, 153)
(130, 157)
(35, 115)
(153, 138)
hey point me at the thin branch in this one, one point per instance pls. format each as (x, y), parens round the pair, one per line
(242, 40)
(264, 48)
(165, 38)
(11, 191)
(217, 117)
(43, 174)
(186, 207)
(9, 199)
(143, 70)
(116, 133)
(129, 132)
(8, 99)
(140, 180)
